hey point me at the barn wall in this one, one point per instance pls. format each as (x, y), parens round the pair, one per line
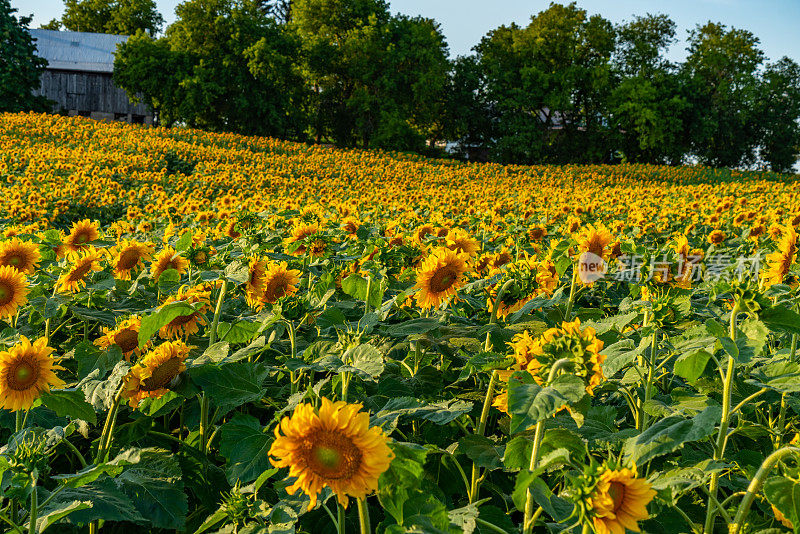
(89, 93)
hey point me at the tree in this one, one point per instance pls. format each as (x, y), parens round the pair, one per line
(549, 84)
(119, 17)
(722, 73)
(467, 113)
(224, 65)
(377, 80)
(648, 108)
(20, 68)
(779, 113)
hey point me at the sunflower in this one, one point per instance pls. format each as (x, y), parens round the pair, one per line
(13, 291)
(82, 234)
(125, 336)
(780, 261)
(279, 281)
(254, 289)
(184, 325)
(21, 255)
(538, 355)
(127, 256)
(421, 233)
(333, 446)
(82, 264)
(716, 237)
(619, 501)
(299, 233)
(440, 276)
(168, 259)
(25, 371)
(151, 376)
(460, 241)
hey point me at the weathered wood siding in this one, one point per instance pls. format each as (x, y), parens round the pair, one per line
(87, 91)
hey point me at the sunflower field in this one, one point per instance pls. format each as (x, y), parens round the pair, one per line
(216, 333)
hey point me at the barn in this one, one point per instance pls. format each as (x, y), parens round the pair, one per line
(78, 76)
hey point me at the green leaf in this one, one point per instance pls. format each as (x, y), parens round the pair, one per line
(185, 241)
(69, 403)
(216, 353)
(784, 494)
(231, 385)
(238, 332)
(89, 358)
(355, 285)
(92, 472)
(441, 413)
(481, 450)
(781, 319)
(155, 486)
(55, 511)
(108, 503)
(529, 403)
(621, 354)
(421, 325)
(691, 366)
(246, 447)
(402, 479)
(154, 322)
(365, 360)
(237, 272)
(464, 518)
(782, 376)
(669, 434)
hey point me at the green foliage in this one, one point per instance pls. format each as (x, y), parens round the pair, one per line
(20, 68)
(119, 17)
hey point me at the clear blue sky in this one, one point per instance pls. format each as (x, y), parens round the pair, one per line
(464, 22)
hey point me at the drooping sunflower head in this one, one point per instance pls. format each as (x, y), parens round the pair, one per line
(279, 282)
(440, 276)
(13, 291)
(125, 336)
(82, 234)
(81, 266)
(334, 447)
(168, 258)
(780, 262)
(579, 346)
(26, 369)
(152, 375)
(300, 233)
(21, 255)
(129, 255)
(185, 325)
(613, 498)
(254, 289)
(532, 278)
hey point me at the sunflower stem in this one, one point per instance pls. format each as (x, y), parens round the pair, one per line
(527, 525)
(572, 291)
(487, 403)
(340, 518)
(104, 445)
(487, 346)
(34, 509)
(363, 516)
(18, 425)
(755, 486)
(650, 373)
(212, 338)
(722, 436)
(366, 298)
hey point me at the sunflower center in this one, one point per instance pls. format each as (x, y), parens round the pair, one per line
(162, 375)
(6, 293)
(333, 455)
(23, 375)
(617, 492)
(442, 279)
(182, 319)
(128, 260)
(127, 340)
(80, 271)
(14, 260)
(82, 238)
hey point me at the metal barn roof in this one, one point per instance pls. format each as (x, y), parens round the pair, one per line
(80, 51)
